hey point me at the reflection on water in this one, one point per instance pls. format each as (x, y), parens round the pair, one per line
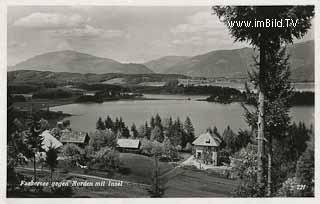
(202, 114)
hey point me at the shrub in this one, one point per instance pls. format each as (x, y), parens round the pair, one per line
(73, 153)
(289, 188)
(106, 159)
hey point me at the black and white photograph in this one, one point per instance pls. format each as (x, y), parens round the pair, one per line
(176, 101)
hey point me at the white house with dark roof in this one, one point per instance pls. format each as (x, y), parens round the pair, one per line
(128, 144)
(206, 148)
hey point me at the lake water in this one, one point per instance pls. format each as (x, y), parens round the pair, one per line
(203, 114)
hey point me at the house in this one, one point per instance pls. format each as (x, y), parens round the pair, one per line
(49, 141)
(206, 148)
(74, 137)
(128, 145)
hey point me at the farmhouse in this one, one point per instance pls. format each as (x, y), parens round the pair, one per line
(73, 137)
(206, 148)
(128, 145)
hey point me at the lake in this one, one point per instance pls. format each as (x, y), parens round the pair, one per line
(203, 114)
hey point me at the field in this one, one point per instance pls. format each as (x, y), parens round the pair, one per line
(179, 181)
(198, 183)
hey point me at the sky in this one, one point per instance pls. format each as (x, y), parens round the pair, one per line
(123, 33)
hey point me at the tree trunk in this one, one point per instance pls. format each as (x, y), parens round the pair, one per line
(269, 187)
(260, 137)
(34, 168)
(51, 175)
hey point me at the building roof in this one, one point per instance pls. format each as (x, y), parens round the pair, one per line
(207, 139)
(49, 140)
(73, 137)
(128, 143)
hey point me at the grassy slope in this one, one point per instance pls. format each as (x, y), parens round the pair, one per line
(196, 183)
(141, 167)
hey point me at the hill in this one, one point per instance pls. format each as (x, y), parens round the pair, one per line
(76, 62)
(162, 64)
(32, 76)
(235, 63)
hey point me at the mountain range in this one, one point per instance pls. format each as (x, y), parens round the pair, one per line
(76, 62)
(235, 63)
(220, 63)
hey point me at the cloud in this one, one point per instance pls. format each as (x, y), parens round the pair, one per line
(87, 31)
(199, 28)
(43, 20)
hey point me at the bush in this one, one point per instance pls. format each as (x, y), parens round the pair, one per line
(289, 188)
(223, 157)
(106, 159)
(72, 152)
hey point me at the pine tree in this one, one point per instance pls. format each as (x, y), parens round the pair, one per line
(157, 121)
(267, 40)
(100, 124)
(134, 131)
(156, 134)
(147, 130)
(109, 123)
(177, 132)
(125, 132)
(168, 127)
(152, 122)
(189, 130)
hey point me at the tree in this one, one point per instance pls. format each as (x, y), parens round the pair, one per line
(51, 160)
(147, 130)
(168, 128)
(157, 185)
(189, 131)
(34, 140)
(134, 131)
(100, 124)
(229, 138)
(125, 132)
(169, 150)
(73, 152)
(106, 158)
(109, 123)
(142, 132)
(16, 147)
(156, 134)
(177, 132)
(157, 121)
(152, 122)
(245, 166)
(267, 40)
(103, 138)
(44, 124)
(305, 170)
